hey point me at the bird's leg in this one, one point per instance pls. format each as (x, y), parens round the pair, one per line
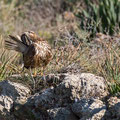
(42, 72)
(44, 78)
(34, 83)
(43, 75)
(35, 72)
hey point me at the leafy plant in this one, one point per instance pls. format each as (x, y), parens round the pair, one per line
(112, 74)
(102, 17)
(109, 68)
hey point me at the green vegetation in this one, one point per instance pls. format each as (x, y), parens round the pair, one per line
(102, 17)
(109, 68)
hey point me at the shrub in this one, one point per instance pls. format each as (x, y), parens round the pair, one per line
(107, 61)
(102, 17)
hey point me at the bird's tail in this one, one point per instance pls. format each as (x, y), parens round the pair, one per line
(15, 44)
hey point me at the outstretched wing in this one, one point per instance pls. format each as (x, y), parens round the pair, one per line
(15, 44)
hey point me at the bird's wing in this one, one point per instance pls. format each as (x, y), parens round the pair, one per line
(15, 44)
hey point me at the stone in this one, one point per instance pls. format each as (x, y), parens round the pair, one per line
(81, 85)
(113, 108)
(89, 109)
(70, 89)
(72, 97)
(10, 93)
(61, 114)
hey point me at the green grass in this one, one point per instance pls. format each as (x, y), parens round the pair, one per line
(103, 17)
(109, 66)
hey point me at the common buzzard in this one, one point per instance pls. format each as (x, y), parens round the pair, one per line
(36, 51)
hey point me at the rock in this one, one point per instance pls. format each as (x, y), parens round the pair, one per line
(71, 88)
(10, 93)
(81, 85)
(113, 108)
(54, 103)
(39, 103)
(61, 114)
(91, 109)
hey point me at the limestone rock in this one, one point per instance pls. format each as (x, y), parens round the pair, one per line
(113, 108)
(61, 114)
(72, 88)
(91, 109)
(81, 85)
(73, 97)
(11, 92)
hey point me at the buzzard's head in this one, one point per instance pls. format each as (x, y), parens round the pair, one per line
(30, 35)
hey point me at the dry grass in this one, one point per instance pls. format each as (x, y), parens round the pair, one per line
(106, 62)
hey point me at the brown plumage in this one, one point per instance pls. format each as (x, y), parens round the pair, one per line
(36, 51)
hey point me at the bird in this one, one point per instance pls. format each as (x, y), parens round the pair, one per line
(35, 50)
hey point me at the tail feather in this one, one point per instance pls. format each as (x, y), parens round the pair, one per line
(15, 44)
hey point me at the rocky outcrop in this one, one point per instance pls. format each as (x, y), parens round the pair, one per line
(11, 93)
(71, 89)
(113, 105)
(92, 109)
(73, 97)
(83, 85)
(61, 113)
